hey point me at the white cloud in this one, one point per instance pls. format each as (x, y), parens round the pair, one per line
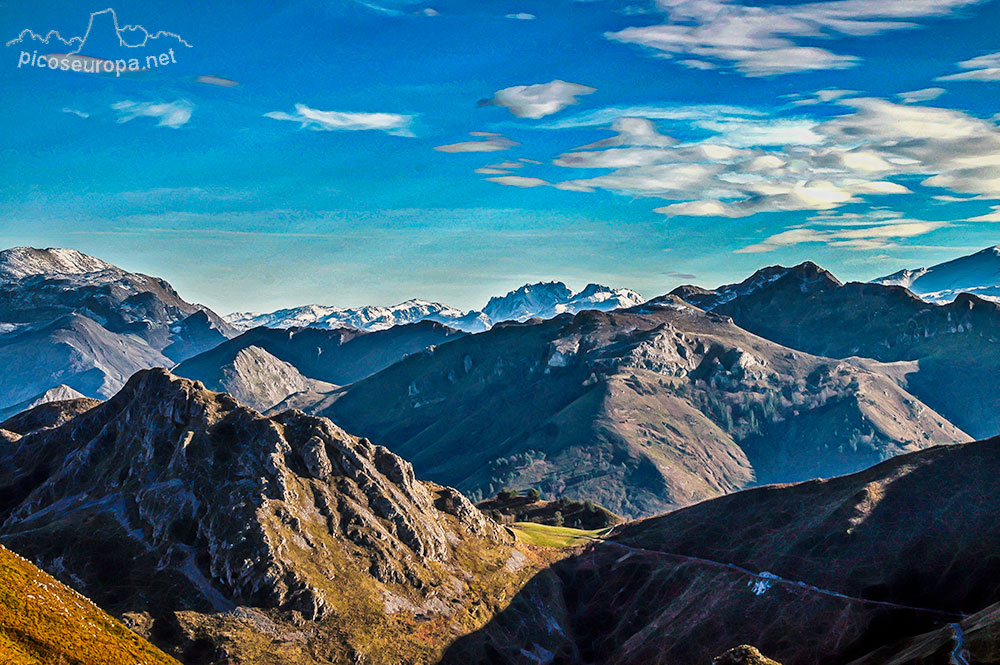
(171, 114)
(879, 235)
(988, 217)
(697, 64)
(78, 113)
(922, 95)
(521, 16)
(696, 112)
(541, 99)
(772, 40)
(309, 118)
(983, 68)
(489, 142)
(518, 181)
(633, 132)
(740, 162)
(824, 96)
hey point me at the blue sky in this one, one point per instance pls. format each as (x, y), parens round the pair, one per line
(347, 152)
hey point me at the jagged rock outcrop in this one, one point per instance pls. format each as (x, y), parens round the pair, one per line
(168, 496)
(48, 414)
(744, 654)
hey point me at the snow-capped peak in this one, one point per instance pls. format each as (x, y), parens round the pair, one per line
(978, 274)
(543, 300)
(20, 262)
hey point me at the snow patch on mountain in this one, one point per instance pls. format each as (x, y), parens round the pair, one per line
(978, 274)
(543, 300)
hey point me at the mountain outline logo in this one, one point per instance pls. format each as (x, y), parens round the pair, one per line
(81, 41)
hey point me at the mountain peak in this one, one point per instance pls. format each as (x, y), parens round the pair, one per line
(807, 274)
(246, 509)
(978, 274)
(20, 262)
(543, 300)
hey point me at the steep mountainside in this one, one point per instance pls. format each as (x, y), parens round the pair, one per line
(543, 300)
(68, 318)
(640, 410)
(818, 573)
(978, 274)
(943, 354)
(256, 378)
(43, 622)
(339, 356)
(215, 530)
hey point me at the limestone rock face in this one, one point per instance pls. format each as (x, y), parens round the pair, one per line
(212, 505)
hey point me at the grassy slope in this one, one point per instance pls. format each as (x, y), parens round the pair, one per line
(44, 622)
(555, 536)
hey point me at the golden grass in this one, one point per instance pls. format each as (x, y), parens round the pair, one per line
(43, 622)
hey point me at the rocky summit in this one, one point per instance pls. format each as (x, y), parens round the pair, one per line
(175, 506)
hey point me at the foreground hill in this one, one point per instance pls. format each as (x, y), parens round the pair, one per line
(213, 529)
(44, 622)
(946, 355)
(639, 410)
(815, 573)
(263, 366)
(74, 320)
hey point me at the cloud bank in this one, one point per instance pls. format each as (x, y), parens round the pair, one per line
(775, 39)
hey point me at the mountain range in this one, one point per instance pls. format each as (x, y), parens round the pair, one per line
(642, 410)
(224, 536)
(798, 452)
(542, 300)
(263, 366)
(897, 563)
(945, 355)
